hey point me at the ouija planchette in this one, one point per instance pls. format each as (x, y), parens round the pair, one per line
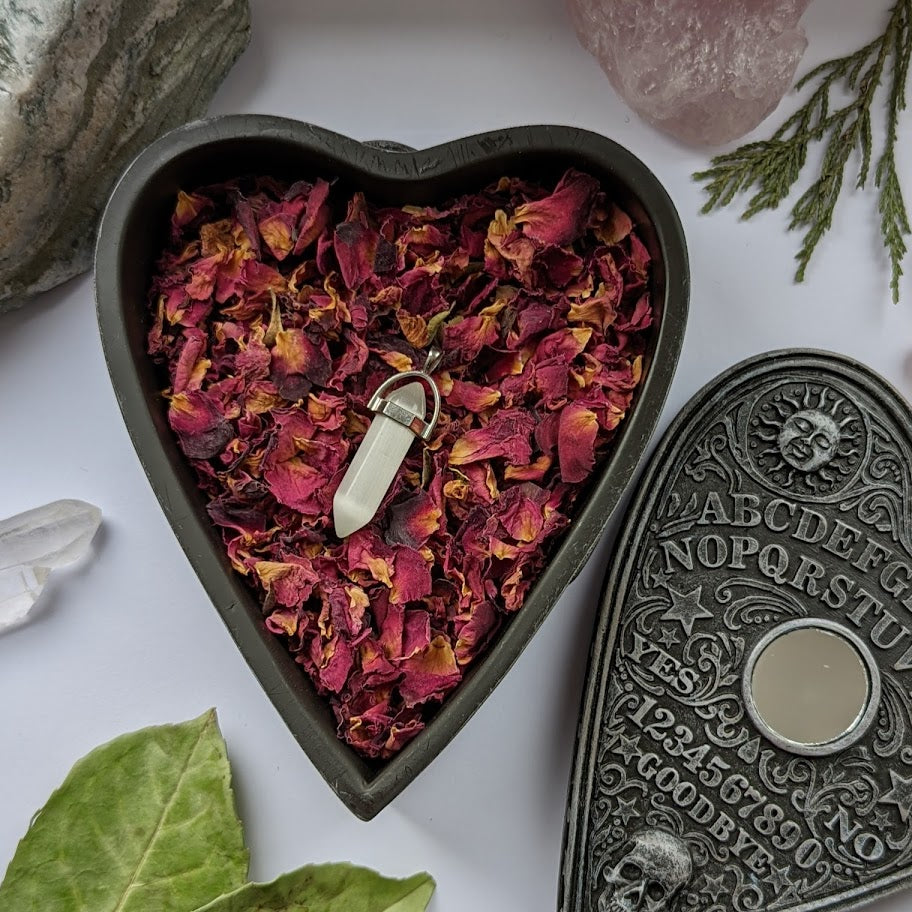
(746, 732)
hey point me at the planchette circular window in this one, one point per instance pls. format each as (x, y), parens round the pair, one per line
(811, 686)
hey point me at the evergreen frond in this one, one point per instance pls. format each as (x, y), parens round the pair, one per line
(772, 168)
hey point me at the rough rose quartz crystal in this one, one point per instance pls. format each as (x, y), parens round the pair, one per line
(706, 71)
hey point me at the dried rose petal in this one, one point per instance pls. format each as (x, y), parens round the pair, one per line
(199, 424)
(560, 218)
(576, 442)
(414, 520)
(472, 397)
(520, 511)
(506, 435)
(188, 207)
(430, 674)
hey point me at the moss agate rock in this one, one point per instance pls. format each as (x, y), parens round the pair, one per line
(706, 71)
(84, 86)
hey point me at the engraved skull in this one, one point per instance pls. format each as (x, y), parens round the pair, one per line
(808, 440)
(649, 876)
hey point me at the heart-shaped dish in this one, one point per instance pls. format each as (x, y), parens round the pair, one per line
(132, 236)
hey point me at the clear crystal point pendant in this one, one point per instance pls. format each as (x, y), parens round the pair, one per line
(400, 417)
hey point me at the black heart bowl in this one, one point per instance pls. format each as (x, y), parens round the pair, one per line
(133, 233)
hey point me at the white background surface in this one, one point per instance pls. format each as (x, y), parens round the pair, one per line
(130, 638)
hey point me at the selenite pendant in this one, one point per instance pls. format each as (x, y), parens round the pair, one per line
(399, 420)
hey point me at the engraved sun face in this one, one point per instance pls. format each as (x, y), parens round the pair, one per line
(807, 438)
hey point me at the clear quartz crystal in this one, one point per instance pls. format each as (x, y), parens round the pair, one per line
(34, 543)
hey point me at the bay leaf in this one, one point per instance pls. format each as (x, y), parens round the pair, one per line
(329, 888)
(145, 822)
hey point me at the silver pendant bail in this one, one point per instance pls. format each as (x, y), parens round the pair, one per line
(400, 409)
(380, 404)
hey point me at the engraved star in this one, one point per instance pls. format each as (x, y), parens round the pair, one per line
(900, 795)
(881, 819)
(628, 747)
(625, 810)
(668, 638)
(686, 608)
(778, 877)
(790, 895)
(660, 578)
(713, 887)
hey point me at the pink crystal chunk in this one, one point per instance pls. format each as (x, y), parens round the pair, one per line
(706, 71)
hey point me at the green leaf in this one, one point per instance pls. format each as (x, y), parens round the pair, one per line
(145, 822)
(329, 888)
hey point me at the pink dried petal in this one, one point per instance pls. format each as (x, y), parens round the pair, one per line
(430, 674)
(352, 361)
(258, 278)
(640, 257)
(600, 310)
(472, 396)
(376, 669)
(612, 225)
(535, 471)
(284, 621)
(563, 344)
(400, 733)
(560, 218)
(365, 550)
(557, 268)
(534, 318)
(203, 274)
(347, 607)
(291, 583)
(411, 577)
(389, 619)
(199, 424)
(515, 587)
(470, 335)
(506, 435)
(246, 218)
(413, 521)
(638, 318)
(297, 465)
(297, 363)
(508, 253)
(338, 659)
(521, 511)
(552, 379)
(326, 411)
(355, 243)
(314, 218)
(277, 226)
(189, 206)
(191, 365)
(576, 442)
(482, 482)
(474, 631)
(254, 361)
(416, 633)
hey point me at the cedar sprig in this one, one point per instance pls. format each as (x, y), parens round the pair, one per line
(771, 167)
